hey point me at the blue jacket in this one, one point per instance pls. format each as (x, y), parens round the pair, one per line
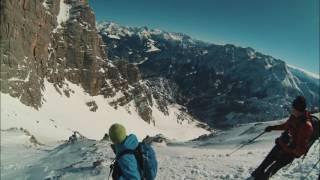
(128, 163)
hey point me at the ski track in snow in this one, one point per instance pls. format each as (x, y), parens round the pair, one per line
(205, 159)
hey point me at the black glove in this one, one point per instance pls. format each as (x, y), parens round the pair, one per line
(96, 163)
(277, 141)
(113, 148)
(268, 129)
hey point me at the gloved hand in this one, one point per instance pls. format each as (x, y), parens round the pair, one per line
(96, 163)
(268, 129)
(113, 148)
(278, 142)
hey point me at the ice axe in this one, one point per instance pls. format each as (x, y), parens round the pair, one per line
(249, 142)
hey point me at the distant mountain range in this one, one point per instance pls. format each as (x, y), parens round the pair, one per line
(219, 84)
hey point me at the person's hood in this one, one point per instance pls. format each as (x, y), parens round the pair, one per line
(130, 143)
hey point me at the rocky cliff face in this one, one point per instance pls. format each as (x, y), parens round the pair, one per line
(57, 41)
(24, 42)
(219, 84)
(53, 40)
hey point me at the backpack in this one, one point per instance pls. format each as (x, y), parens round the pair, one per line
(316, 131)
(146, 158)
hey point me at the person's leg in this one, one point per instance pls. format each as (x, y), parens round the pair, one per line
(271, 157)
(280, 163)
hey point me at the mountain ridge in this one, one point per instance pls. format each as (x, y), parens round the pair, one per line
(250, 84)
(55, 42)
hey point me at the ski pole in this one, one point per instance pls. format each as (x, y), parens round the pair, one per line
(250, 141)
(111, 168)
(311, 169)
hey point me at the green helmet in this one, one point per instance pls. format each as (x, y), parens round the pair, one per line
(117, 133)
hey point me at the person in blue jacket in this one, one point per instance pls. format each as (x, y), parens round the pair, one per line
(126, 166)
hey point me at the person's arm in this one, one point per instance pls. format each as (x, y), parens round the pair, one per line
(129, 168)
(283, 126)
(279, 127)
(302, 142)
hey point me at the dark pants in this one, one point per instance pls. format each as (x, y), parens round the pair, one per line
(275, 160)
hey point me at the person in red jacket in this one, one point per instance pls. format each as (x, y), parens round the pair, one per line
(292, 144)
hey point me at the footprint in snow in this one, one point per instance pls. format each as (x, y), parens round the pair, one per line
(240, 169)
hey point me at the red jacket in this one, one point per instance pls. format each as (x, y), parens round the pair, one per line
(300, 132)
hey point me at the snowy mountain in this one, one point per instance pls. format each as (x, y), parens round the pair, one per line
(204, 159)
(56, 78)
(59, 76)
(221, 85)
(136, 44)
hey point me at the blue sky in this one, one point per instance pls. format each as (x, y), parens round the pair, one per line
(285, 29)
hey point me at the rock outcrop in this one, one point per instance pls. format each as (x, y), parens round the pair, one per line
(57, 41)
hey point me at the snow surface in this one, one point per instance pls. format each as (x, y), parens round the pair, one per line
(22, 80)
(63, 15)
(45, 5)
(173, 36)
(151, 46)
(142, 32)
(60, 115)
(307, 73)
(114, 29)
(143, 61)
(201, 159)
(113, 36)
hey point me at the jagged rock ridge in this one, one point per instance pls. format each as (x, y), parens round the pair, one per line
(219, 84)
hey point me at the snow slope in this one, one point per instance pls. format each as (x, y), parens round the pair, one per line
(205, 159)
(60, 115)
(63, 15)
(304, 72)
